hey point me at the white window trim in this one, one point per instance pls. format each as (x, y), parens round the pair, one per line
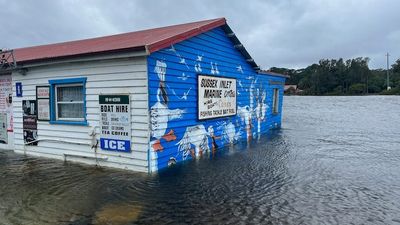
(56, 102)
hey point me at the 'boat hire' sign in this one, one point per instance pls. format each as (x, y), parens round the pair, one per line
(115, 123)
(216, 97)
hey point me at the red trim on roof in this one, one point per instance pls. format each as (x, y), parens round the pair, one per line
(152, 40)
(186, 35)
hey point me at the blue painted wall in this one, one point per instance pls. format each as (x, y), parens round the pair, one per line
(176, 134)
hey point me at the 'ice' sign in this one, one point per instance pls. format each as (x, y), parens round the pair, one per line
(115, 145)
(115, 123)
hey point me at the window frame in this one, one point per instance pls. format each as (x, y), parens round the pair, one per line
(56, 102)
(275, 101)
(54, 84)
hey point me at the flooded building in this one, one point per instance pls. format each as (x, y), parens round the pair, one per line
(139, 101)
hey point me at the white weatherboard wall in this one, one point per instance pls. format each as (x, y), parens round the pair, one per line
(73, 142)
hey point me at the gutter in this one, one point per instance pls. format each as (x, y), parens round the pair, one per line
(264, 72)
(117, 54)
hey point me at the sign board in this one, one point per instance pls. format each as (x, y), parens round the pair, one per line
(43, 102)
(43, 92)
(3, 128)
(115, 123)
(216, 97)
(29, 121)
(18, 89)
(6, 104)
(43, 109)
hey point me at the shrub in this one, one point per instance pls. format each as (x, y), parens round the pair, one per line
(356, 88)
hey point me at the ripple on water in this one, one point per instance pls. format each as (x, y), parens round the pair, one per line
(330, 164)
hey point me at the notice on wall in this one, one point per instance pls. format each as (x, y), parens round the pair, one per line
(216, 97)
(3, 128)
(42, 92)
(115, 123)
(6, 106)
(43, 102)
(29, 121)
(43, 109)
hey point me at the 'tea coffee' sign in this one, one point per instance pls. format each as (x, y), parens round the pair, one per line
(115, 123)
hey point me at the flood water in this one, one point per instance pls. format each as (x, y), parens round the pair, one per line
(336, 160)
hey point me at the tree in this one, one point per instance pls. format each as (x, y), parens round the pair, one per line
(395, 78)
(340, 77)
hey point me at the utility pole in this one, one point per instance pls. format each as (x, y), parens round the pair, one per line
(387, 71)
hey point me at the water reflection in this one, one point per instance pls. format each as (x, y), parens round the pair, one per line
(328, 164)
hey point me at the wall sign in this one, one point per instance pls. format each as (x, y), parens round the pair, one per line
(216, 97)
(115, 123)
(43, 102)
(29, 121)
(42, 91)
(43, 109)
(18, 89)
(3, 128)
(6, 111)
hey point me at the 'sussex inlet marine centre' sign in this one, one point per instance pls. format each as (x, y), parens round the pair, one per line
(216, 97)
(115, 123)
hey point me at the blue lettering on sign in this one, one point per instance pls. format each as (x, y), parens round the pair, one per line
(115, 145)
(18, 89)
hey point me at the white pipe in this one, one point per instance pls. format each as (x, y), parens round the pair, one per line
(57, 140)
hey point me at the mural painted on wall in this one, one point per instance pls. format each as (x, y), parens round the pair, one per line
(176, 133)
(160, 114)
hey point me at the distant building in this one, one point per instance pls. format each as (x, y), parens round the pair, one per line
(292, 89)
(139, 101)
(290, 86)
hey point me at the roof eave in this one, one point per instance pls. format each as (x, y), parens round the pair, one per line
(273, 74)
(240, 47)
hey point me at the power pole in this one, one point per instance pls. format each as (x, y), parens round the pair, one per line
(387, 71)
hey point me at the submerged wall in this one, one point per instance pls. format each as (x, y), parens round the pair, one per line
(176, 133)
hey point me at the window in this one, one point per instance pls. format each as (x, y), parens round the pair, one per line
(275, 101)
(68, 101)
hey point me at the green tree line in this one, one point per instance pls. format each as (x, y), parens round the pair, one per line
(343, 77)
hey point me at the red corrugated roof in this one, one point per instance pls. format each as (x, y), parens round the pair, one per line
(151, 40)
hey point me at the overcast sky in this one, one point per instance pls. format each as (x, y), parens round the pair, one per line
(281, 33)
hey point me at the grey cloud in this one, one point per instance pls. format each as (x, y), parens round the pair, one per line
(287, 33)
